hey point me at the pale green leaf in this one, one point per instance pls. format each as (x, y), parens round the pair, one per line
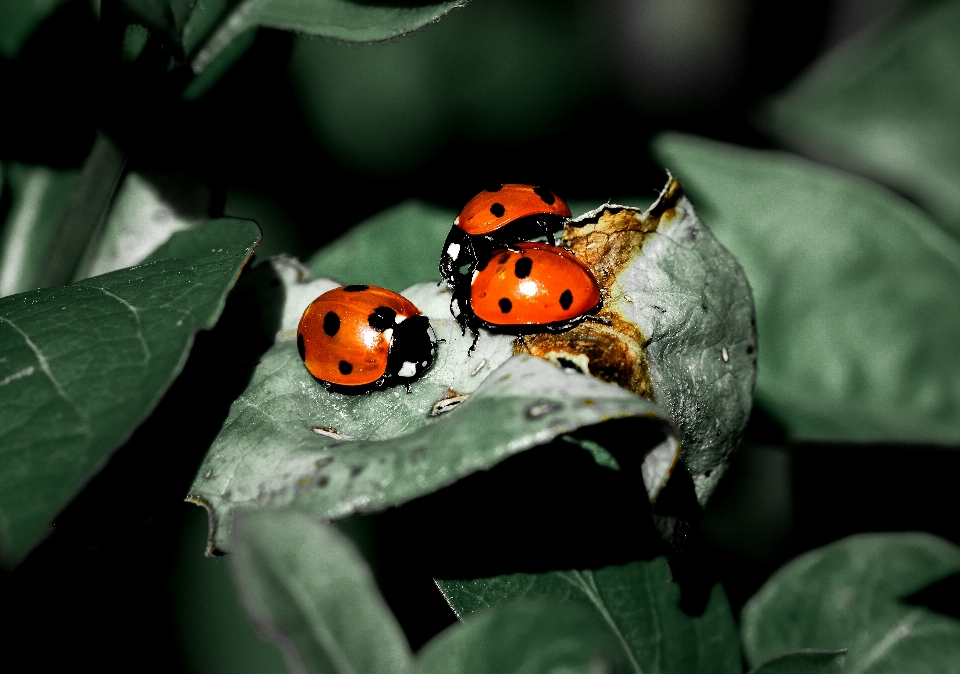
(289, 441)
(858, 594)
(886, 105)
(309, 590)
(857, 293)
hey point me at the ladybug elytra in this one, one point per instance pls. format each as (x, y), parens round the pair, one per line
(362, 337)
(498, 217)
(534, 288)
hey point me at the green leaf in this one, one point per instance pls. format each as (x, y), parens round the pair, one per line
(858, 594)
(287, 440)
(81, 366)
(638, 602)
(38, 195)
(84, 214)
(18, 20)
(346, 20)
(534, 637)
(886, 105)
(804, 661)
(857, 293)
(141, 219)
(393, 249)
(309, 590)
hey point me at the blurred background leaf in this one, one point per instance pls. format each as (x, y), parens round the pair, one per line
(37, 197)
(886, 105)
(803, 661)
(18, 19)
(857, 293)
(864, 594)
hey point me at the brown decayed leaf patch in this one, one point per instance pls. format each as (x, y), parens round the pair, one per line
(607, 242)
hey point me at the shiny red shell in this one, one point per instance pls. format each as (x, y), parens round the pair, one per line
(342, 337)
(540, 285)
(494, 208)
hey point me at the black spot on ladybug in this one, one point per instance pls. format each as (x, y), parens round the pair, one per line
(331, 323)
(522, 267)
(300, 348)
(505, 305)
(498, 210)
(345, 367)
(546, 195)
(566, 299)
(494, 188)
(382, 318)
(356, 288)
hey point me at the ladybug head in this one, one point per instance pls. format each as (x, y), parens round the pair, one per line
(413, 348)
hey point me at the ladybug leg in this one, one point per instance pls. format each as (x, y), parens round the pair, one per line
(597, 319)
(473, 347)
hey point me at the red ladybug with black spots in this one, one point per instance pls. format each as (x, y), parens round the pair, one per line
(498, 217)
(534, 288)
(358, 338)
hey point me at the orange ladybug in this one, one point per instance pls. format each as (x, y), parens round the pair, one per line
(362, 337)
(535, 288)
(496, 218)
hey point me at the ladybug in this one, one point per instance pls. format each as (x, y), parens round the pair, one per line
(358, 338)
(497, 218)
(534, 288)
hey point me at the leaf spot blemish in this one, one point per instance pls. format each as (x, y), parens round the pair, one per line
(542, 408)
(447, 404)
(329, 433)
(356, 470)
(208, 474)
(724, 354)
(324, 462)
(323, 481)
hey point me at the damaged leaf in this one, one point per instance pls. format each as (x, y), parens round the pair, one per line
(638, 602)
(681, 327)
(857, 293)
(82, 365)
(872, 594)
(289, 441)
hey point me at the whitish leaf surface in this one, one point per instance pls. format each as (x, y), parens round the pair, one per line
(309, 591)
(141, 219)
(857, 293)
(639, 604)
(860, 594)
(82, 365)
(534, 637)
(804, 661)
(345, 20)
(886, 105)
(37, 197)
(290, 441)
